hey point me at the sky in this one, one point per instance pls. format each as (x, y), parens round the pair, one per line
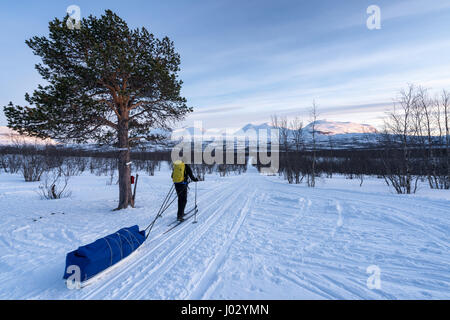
(243, 61)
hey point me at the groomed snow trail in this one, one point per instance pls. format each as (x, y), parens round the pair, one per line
(256, 238)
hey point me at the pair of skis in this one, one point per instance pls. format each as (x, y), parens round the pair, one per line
(191, 213)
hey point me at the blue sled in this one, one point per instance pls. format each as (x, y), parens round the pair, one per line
(101, 254)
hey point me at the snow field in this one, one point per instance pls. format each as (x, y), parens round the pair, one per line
(257, 237)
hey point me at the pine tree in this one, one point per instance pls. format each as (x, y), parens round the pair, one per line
(106, 83)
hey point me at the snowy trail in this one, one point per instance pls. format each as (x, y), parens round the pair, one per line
(210, 275)
(257, 237)
(158, 265)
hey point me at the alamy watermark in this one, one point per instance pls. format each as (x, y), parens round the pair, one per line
(374, 20)
(374, 280)
(74, 280)
(74, 21)
(229, 148)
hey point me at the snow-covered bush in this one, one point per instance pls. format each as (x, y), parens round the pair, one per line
(55, 184)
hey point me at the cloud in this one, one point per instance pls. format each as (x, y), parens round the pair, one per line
(216, 110)
(362, 98)
(413, 7)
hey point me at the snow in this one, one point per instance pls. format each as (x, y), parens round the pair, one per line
(257, 237)
(344, 132)
(322, 127)
(336, 127)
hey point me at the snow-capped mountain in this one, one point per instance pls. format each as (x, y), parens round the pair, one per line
(335, 127)
(11, 137)
(250, 129)
(256, 127)
(340, 134)
(322, 127)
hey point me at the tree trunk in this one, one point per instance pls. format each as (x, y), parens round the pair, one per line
(125, 195)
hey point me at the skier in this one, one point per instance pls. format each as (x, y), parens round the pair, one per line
(181, 172)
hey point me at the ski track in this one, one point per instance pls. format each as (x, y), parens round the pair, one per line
(331, 218)
(259, 238)
(210, 274)
(183, 237)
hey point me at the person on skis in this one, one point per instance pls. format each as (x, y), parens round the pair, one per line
(181, 172)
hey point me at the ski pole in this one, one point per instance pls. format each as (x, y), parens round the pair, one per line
(163, 207)
(195, 208)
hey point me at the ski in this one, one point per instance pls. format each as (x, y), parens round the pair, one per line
(186, 214)
(180, 222)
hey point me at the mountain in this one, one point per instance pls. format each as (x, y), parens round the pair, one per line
(322, 127)
(325, 127)
(11, 137)
(250, 129)
(339, 134)
(344, 133)
(264, 126)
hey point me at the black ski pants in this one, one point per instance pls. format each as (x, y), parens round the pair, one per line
(181, 189)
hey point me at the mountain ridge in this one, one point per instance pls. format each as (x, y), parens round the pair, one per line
(323, 127)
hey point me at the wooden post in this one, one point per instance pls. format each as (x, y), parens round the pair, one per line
(134, 191)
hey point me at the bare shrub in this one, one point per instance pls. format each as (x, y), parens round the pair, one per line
(55, 184)
(32, 167)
